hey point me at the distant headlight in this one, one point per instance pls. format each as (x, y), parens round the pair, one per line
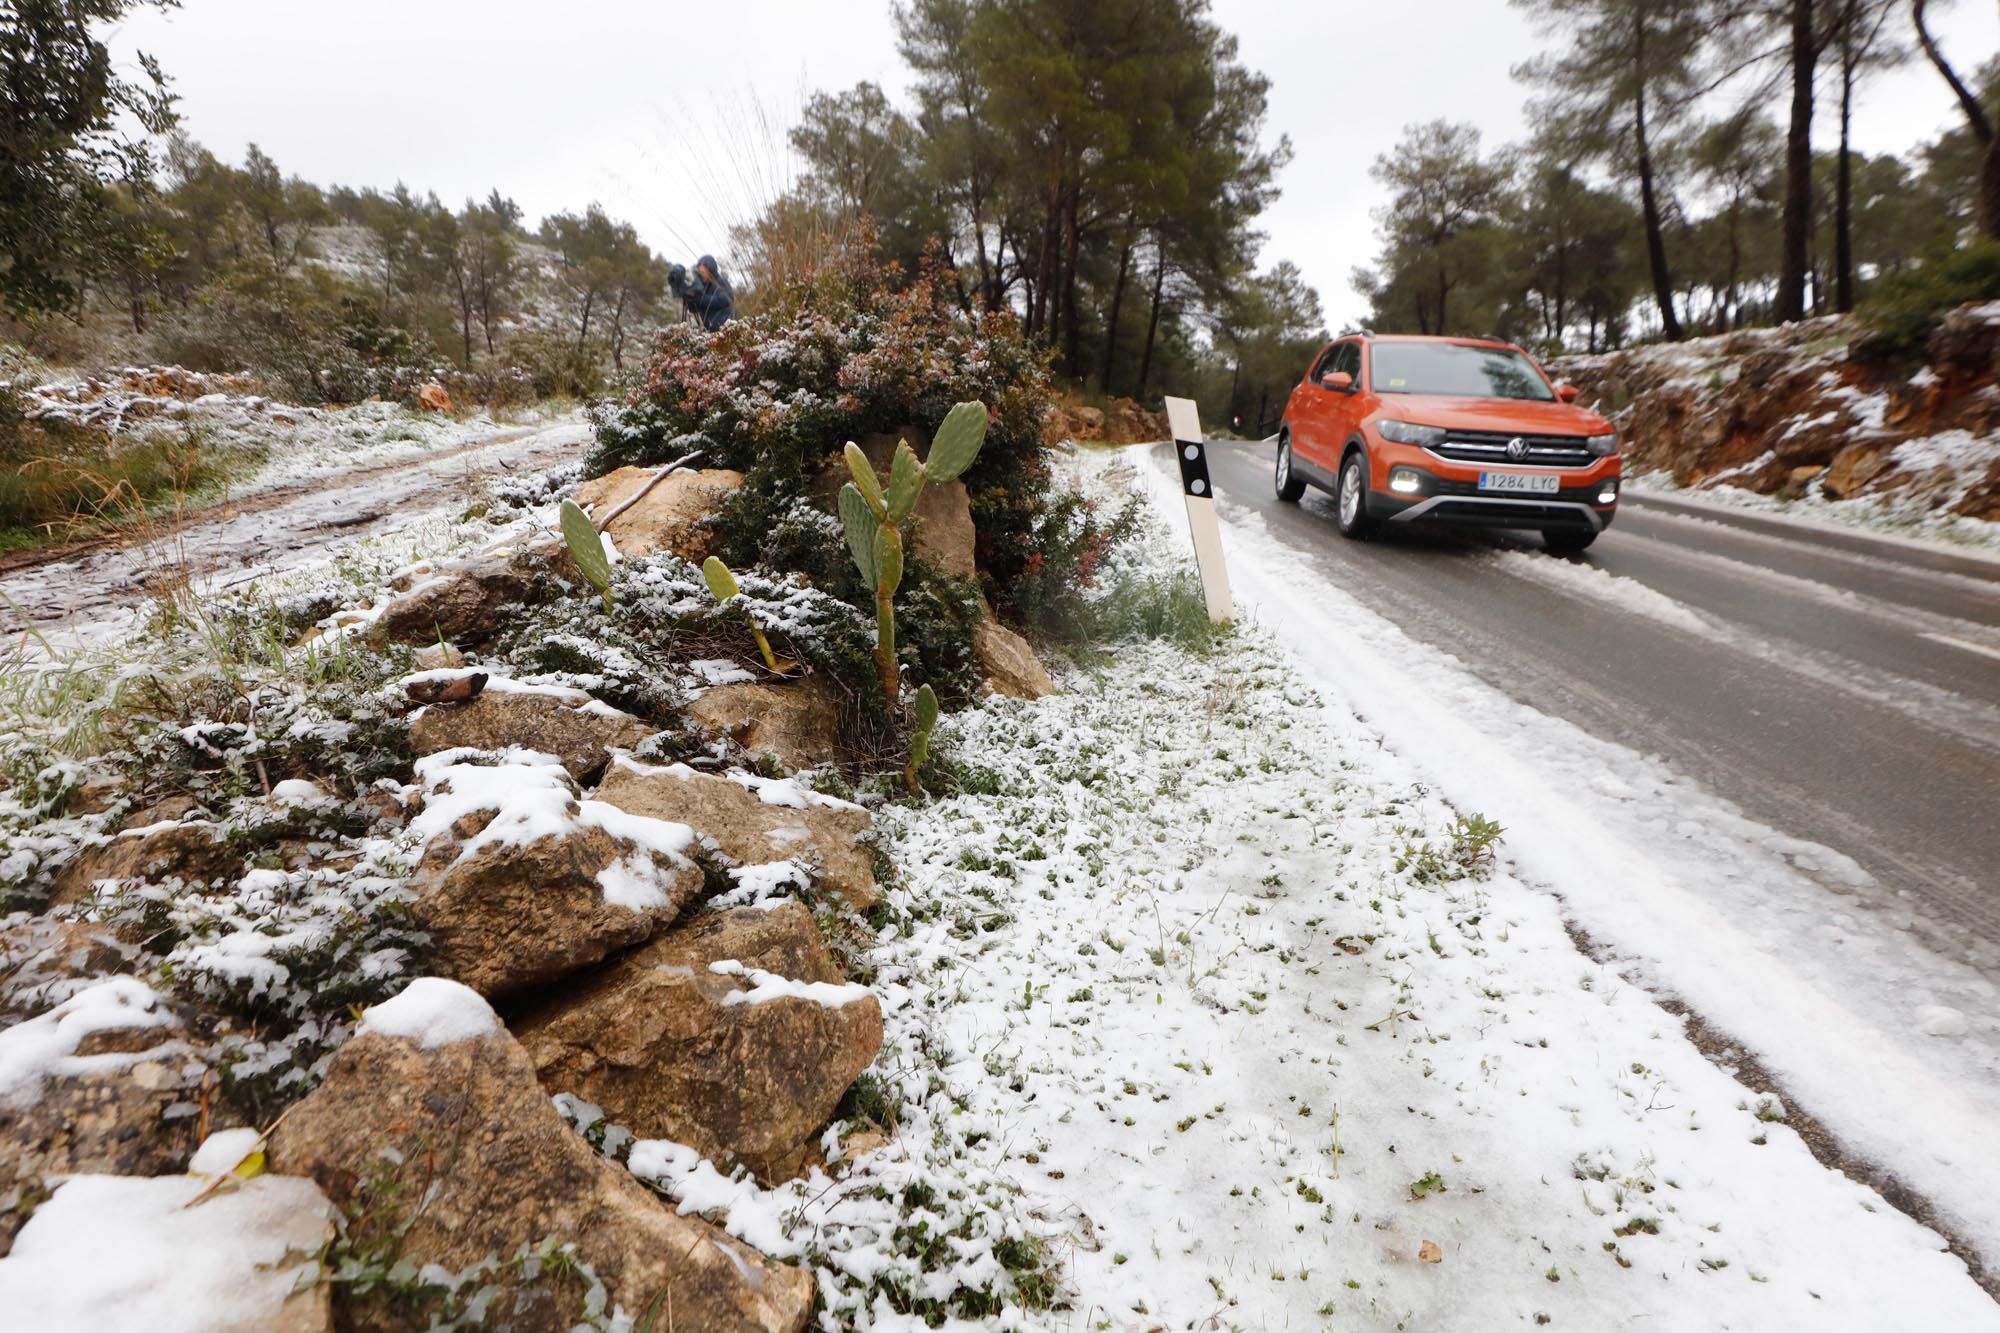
(1403, 432)
(1603, 445)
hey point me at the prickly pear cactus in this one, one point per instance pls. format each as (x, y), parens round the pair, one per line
(872, 512)
(586, 547)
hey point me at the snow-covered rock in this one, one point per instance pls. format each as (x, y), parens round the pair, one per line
(753, 821)
(520, 883)
(734, 1034)
(464, 1124)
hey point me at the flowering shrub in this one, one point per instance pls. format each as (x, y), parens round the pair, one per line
(777, 395)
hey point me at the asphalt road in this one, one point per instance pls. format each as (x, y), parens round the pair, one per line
(1840, 691)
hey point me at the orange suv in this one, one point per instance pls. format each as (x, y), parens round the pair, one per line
(1447, 430)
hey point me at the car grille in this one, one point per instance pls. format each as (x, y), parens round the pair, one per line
(1526, 513)
(1490, 446)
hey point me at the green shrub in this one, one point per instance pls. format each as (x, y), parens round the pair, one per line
(777, 395)
(557, 366)
(1069, 542)
(1902, 309)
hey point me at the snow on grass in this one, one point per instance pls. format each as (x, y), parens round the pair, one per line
(1762, 934)
(432, 1012)
(1260, 1027)
(292, 443)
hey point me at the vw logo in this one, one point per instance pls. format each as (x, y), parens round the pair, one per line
(1517, 448)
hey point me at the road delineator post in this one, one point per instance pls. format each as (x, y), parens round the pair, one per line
(1191, 452)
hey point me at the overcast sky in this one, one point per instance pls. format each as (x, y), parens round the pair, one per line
(673, 115)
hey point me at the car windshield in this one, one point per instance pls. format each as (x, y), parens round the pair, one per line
(1458, 370)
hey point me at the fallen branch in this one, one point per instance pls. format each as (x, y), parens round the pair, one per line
(640, 494)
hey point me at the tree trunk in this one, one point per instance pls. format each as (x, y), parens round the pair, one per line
(618, 332)
(1656, 241)
(1796, 229)
(1048, 273)
(1072, 333)
(583, 330)
(1843, 185)
(1987, 205)
(1153, 319)
(1111, 318)
(1735, 308)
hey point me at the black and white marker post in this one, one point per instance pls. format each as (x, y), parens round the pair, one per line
(1192, 453)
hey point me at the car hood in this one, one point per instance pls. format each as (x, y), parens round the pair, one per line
(1510, 414)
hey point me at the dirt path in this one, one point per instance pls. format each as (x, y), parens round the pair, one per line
(83, 590)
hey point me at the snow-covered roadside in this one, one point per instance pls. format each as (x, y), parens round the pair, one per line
(1895, 1050)
(1894, 517)
(1200, 990)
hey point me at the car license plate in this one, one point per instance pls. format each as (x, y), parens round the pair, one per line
(1519, 483)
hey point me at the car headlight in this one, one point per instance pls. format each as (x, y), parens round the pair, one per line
(1404, 432)
(1603, 445)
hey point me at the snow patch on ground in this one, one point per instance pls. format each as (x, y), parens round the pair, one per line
(117, 1253)
(45, 1047)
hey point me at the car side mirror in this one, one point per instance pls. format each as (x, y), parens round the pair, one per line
(1339, 381)
(1566, 392)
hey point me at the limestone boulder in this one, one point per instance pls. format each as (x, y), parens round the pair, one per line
(443, 1105)
(464, 601)
(744, 1064)
(799, 722)
(1007, 664)
(520, 883)
(193, 851)
(943, 532)
(753, 821)
(569, 724)
(104, 1082)
(672, 516)
(946, 537)
(1854, 467)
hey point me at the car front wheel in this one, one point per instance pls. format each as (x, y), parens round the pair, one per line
(1352, 501)
(1289, 485)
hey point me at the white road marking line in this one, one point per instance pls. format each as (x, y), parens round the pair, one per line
(1980, 648)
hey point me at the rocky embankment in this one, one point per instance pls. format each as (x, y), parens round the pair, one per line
(1120, 421)
(667, 943)
(1792, 412)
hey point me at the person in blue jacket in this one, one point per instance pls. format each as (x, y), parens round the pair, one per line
(706, 293)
